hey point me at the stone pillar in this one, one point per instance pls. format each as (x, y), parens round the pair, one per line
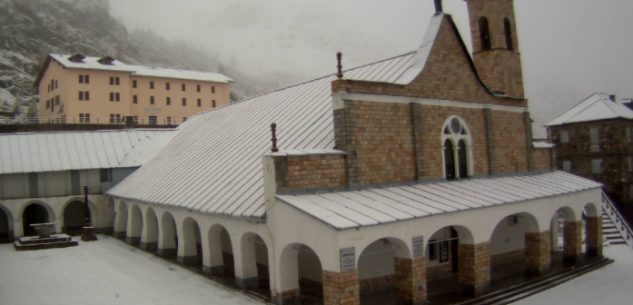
(341, 288)
(345, 139)
(490, 145)
(528, 140)
(410, 278)
(474, 268)
(418, 147)
(572, 241)
(537, 252)
(245, 264)
(290, 297)
(594, 236)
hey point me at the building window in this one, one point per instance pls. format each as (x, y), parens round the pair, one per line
(48, 104)
(87, 79)
(116, 80)
(151, 84)
(81, 95)
(567, 166)
(484, 33)
(564, 136)
(167, 86)
(84, 118)
(81, 118)
(199, 103)
(81, 79)
(212, 89)
(112, 118)
(105, 175)
(169, 120)
(184, 101)
(52, 84)
(87, 94)
(87, 115)
(183, 87)
(628, 135)
(49, 87)
(111, 96)
(55, 84)
(135, 119)
(135, 99)
(151, 100)
(184, 119)
(508, 31)
(153, 120)
(168, 101)
(457, 153)
(118, 118)
(117, 97)
(134, 84)
(198, 88)
(52, 106)
(596, 166)
(594, 138)
(213, 103)
(111, 80)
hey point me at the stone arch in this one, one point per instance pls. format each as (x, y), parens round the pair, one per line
(6, 225)
(120, 223)
(484, 34)
(149, 238)
(566, 232)
(220, 259)
(511, 239)
(300, 275)
(380, 268)
(35, 212)
(135, 226)
(74, 215)
(167, 235)
(190, 249)
(591, 210)
(254, 271)
(442, 253)
(507, 27)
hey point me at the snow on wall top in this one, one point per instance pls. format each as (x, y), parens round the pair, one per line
(214, 164)
(597, 107)
(542, 145)
(92, 63)
(32, 152)
(373, 206)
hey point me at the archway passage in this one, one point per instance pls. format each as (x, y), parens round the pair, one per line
(191, 253)
(515, 246)
(379, 272)
(592, 231)
(167, 236)
(566, 233)
(34, 213)
(255, 272)
(442, 263)
(301, 275)
(6, 235)
(75, 218)
(150, 231)
(134, 227)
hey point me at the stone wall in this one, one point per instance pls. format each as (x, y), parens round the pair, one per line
(341, 288)
(474, 268)
(507, 257)
(313, 171)
(510, 151)
(542, 159)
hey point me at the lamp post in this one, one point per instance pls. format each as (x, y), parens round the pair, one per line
(88, 231)
(87, 208)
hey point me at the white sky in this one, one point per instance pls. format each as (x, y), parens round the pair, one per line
(570, 48)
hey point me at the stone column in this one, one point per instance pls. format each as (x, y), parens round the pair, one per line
(410, 278)
(537, 252)
(474, 268)
(594, 236)
(245, 264)
(572, 241)
(341, 288)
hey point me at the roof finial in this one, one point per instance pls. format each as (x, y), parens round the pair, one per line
(339, 56)
(438, 6)
(273, 129)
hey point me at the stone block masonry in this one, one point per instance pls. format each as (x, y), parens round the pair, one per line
(538, 252)
(572, 241)
(341, 288)
(410, 278)
(594, 236)
(474, 268)
(542, 159)
(307, 172)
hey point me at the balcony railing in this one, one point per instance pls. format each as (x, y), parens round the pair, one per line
(616, 217)
(91, 120)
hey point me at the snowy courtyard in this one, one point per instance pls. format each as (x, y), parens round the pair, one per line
(104, 272)
(111, 272)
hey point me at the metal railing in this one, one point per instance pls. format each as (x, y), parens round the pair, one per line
(91, 120)
(616, 217)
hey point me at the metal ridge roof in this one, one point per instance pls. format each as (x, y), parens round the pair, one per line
(32, 152)
(379, 205)
(598, 106)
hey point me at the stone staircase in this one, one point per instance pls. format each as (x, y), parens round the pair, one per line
(610, 234)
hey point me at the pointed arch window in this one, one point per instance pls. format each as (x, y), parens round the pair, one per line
(508, 31)
(484, 34)
(457, 149)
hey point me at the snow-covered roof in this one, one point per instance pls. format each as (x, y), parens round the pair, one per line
(32, 152)
(373, 206)
(92, 63)
(597, 107)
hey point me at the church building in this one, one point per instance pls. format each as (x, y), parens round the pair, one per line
(410, 179)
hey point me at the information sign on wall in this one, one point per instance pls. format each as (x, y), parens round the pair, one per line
(418, 246)
(348, 259)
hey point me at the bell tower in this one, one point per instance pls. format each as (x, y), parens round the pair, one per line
(496, 45)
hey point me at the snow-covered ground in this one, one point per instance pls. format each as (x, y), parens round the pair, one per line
(608, 285)
(111, 272)
(104, 272)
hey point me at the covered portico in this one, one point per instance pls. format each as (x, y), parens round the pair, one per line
(412, 241)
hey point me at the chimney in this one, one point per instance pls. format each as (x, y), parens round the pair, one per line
(438, 6)
(612, 97)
